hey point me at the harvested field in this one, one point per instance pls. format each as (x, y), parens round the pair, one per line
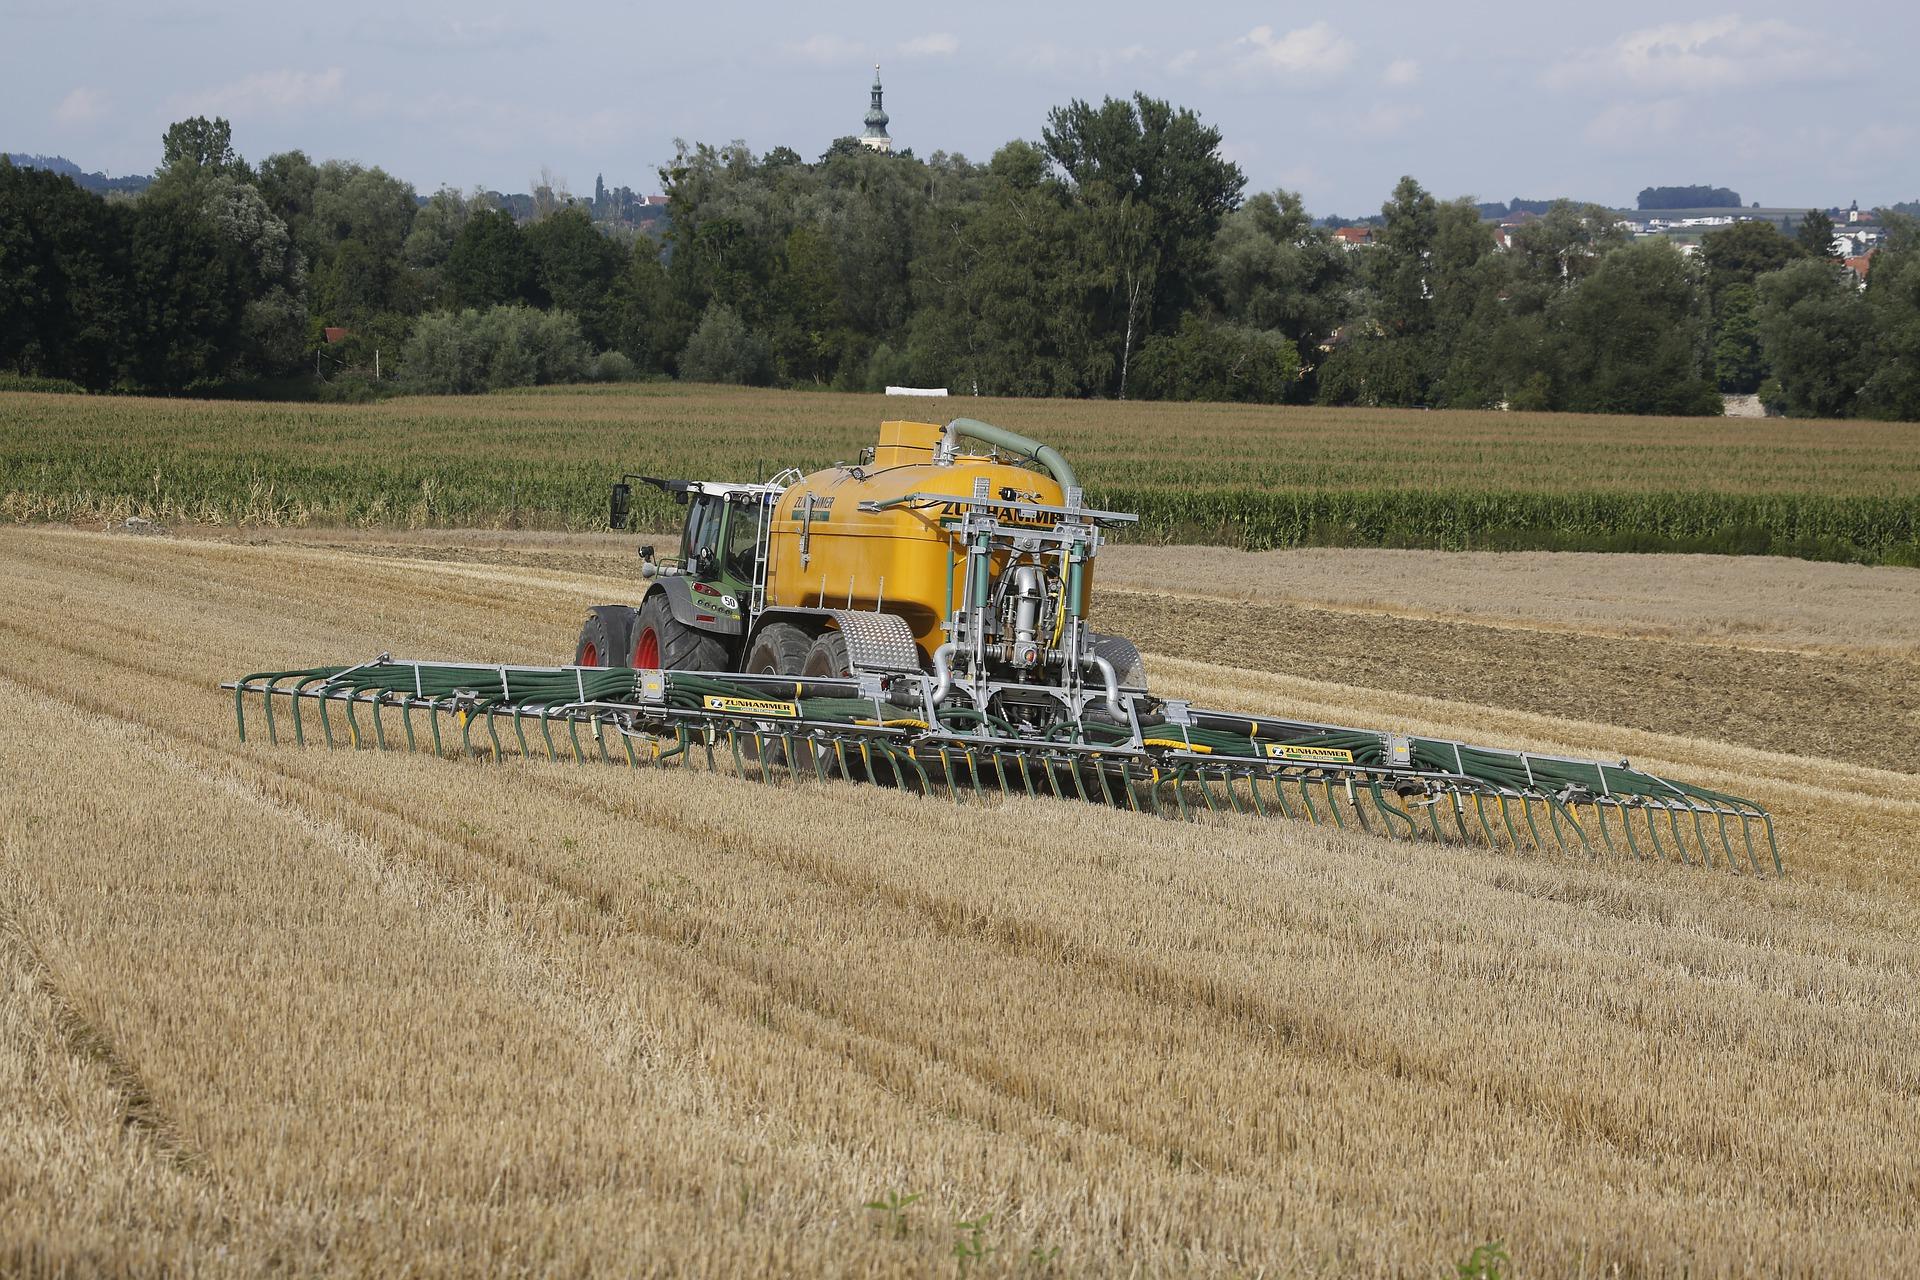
(283, 1009)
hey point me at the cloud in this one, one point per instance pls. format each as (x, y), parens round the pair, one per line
(1183, 62)
(1076, 59)
(1380, 121)
(266, 92)
(82, 106)
(1634, 127)
(1401, 72)
(1315, 50)
(937, 44)
(1713, 53)
(484, 31)
(827, 51)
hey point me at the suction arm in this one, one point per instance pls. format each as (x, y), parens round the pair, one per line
(1013, 442)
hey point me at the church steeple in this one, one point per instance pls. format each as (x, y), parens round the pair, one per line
(876, 137)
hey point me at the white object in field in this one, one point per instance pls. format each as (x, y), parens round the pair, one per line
(916, 391)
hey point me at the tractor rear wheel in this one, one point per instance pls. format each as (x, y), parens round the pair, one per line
(828, 657)
(606, 636)
(779, 650)
(662, 641)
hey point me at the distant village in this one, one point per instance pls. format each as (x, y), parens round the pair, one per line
(1857, 232)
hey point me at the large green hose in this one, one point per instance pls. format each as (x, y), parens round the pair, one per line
(1013, 442)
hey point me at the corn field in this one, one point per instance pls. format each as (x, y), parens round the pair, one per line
(1241, 476)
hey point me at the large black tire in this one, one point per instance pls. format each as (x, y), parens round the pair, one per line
(606, 638)
(661, 640)
(827, 657)
(779, 650)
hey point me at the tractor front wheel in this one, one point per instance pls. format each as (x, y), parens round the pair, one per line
(663, 642)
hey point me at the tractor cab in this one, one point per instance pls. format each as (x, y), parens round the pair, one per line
(723, 537)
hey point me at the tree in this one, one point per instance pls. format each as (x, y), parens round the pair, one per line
(575, 266)
(1396, 266)
(1702, 197)
(1156, 186)
(1815, 330)
(1892, 388)
(723, 349)
(490, 263)
(811, 335)
(1205, 360)
(1739, 363)
(200, 145)
(1815, 234)
(1745, 251)
(462, 352)
(1008, 289)
(1273, 270)
(354, 236)
(185, 305)
(650, 323)
(1632, 337)
(64, 311)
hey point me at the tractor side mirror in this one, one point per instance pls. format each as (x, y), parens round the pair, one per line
(619, 503)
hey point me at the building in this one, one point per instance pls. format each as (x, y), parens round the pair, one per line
(876, 137)
(1351, 238)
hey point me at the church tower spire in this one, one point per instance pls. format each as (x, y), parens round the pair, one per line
(876, 137)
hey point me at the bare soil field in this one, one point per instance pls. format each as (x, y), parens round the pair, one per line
(292, 1010)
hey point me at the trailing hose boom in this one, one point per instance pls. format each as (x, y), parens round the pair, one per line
(921, 619)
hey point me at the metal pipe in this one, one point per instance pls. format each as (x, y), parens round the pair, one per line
(943, 671)
(1113, 687)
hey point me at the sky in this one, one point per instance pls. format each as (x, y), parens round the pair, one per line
(1784, 103)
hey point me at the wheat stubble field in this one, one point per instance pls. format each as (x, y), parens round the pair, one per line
(300, 1011)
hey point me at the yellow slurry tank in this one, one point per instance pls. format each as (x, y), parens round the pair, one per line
(825, 552)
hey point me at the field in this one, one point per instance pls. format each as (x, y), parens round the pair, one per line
(305, 1011)
(1244, 476)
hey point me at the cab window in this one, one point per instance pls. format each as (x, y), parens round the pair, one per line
(743, 536)
(703, 530)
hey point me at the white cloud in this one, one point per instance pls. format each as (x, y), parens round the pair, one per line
(82, 106)
(937, 44)
(268, 92)
(1315, 50)
(1183, 62)
(1712, 53)
(827, 50)
(1401, 72)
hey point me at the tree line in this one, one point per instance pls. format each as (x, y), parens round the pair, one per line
(1117, 256)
